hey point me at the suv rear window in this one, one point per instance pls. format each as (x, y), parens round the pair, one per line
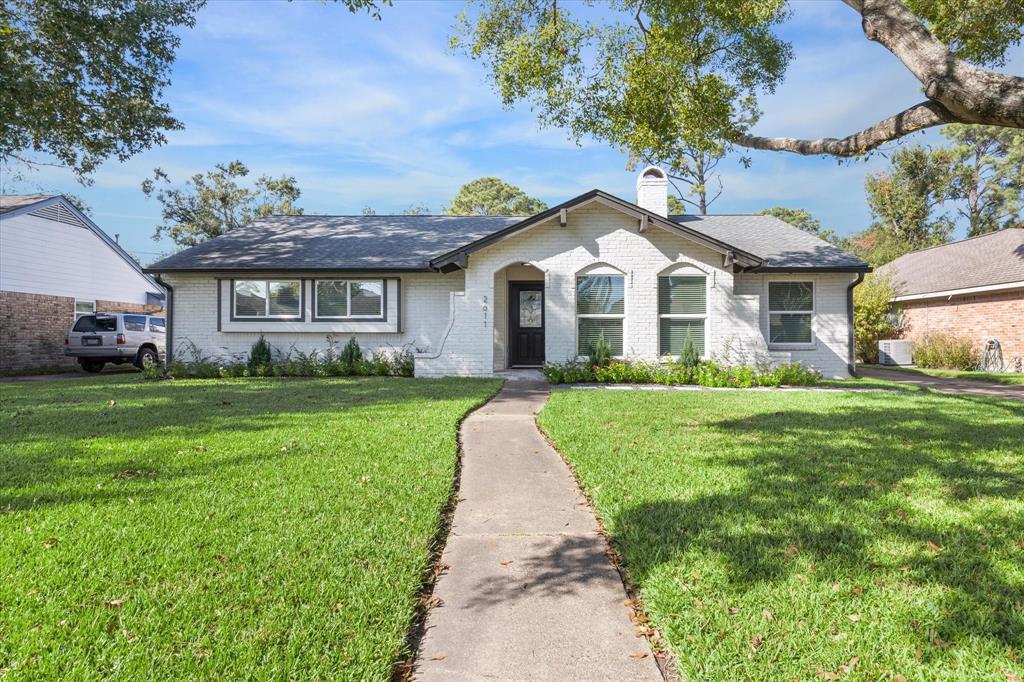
(91, 323)
(135, 323)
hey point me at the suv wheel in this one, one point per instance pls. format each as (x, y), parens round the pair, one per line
(92, 366)
(146, 358)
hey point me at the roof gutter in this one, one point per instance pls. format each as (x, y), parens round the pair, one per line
(851, 363)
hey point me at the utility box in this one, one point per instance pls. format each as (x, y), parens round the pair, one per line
(895, 352)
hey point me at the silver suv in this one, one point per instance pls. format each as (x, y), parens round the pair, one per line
(117, 337)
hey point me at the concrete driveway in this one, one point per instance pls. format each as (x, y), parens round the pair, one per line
(945, 385)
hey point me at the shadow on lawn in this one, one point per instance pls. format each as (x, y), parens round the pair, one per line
(47, 431)
(828, 485)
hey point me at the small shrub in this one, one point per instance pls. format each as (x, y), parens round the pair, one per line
(705, 373)
(602, 354)
(689, 357)
(946, 351)
(260, 358)
(351, 355)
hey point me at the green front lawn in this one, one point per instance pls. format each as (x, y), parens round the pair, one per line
(813, 535)
(273, 529)
(1011, 378)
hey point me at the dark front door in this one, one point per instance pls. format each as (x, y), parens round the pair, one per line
(525, 323)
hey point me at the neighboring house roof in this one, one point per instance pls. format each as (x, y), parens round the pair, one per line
(9, 202)
(990, 260)
(422, 243)
(58, 208)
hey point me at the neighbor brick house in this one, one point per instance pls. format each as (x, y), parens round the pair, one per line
(973, 288)
(56, 263)
(474, 295)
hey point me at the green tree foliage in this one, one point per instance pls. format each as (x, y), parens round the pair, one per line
(213, 203)
(987, 182)
(873, 316)
(655, 77)
(81, 82)
(493, 196)
(798, 217)
(906, 201)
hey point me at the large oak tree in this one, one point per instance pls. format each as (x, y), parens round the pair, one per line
(653, 76)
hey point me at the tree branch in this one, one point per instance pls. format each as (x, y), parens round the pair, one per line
(917, 117)
(957, 92)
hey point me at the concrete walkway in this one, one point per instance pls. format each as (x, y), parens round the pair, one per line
(529, 593)
(988, 389)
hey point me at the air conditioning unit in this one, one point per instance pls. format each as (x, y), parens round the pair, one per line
(895, 352)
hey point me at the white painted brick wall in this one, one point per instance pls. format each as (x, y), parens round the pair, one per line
(424, 318)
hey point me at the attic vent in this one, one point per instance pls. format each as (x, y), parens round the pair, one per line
(60, 213)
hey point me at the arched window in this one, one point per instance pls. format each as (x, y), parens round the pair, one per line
(600, 310)
(682, 311)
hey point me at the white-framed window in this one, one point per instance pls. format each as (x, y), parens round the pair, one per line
(790, 312)
(682, 312)
(255, 299)
(83, 307)
(335, 299)
(600, 311)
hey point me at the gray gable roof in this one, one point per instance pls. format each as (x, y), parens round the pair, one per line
(317, 242)
(11, 202)
(780, 245)
(996, 258)
(420, 243)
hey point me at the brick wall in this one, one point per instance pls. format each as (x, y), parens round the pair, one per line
(33, 327)
(998, 314)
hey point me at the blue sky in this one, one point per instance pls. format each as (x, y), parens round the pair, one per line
(381, 114)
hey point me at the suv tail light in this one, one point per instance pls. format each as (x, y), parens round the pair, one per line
(66, 341)
(120, 339)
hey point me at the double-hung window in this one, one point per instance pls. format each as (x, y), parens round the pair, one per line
(336, 299)
(790, 312)
(600, 310)
(257, 299)
(84, 307)
(682, 312)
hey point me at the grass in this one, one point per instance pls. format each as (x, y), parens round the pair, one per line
(266, 529)
(1010, 378)
(809, 535)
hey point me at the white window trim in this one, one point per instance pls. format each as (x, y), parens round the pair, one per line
(266, 301)
(348, 299)
(681, 316)
(84, 312)
(601, 316)
(794, 345)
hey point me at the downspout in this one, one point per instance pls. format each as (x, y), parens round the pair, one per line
(851, 363)
(170, 317)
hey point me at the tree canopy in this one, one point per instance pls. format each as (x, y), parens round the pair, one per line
(657, 76)
(213, 203)
(493, 196)
(81, 82)
(987, 178)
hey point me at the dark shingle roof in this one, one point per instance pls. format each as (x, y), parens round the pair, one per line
(314, 242)
(778, 243)
(996, 258)
(317, 242)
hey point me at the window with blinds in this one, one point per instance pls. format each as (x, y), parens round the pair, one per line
(348, 298)
(256, 299)
(790, 312)
(600, 309)
(682, 312)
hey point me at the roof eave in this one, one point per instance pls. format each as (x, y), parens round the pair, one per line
(865, 268)
(278, 268)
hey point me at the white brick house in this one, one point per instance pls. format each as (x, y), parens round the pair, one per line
(472, 295)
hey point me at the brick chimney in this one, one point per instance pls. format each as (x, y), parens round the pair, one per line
(652, 190)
